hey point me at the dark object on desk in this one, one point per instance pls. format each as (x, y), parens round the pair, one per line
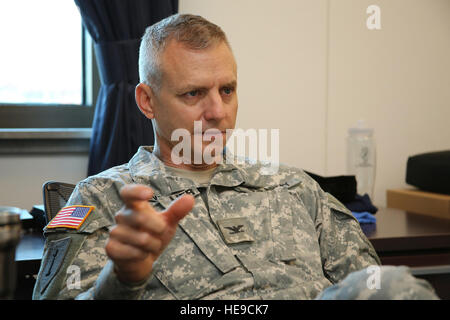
(26, 220)
(38, 214)
(33, 220)
(56, 195)
(10, 232)
(429, 171)
(29, 253)
(342, 188)
(361, 204)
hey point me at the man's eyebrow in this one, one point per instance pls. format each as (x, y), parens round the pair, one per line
(192, 87)
(232, 84)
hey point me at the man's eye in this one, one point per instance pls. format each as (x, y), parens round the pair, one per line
(227, 90)
(192, 93)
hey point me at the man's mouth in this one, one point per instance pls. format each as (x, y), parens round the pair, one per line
(212, 132)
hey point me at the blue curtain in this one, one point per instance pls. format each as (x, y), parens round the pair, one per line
(116, 26)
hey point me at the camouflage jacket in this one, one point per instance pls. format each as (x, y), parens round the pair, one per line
(249, 236)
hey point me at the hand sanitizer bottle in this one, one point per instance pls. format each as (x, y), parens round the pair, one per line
(361, 157)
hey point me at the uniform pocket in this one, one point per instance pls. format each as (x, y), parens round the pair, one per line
(195, 258)
(269, 213)
(187, 271)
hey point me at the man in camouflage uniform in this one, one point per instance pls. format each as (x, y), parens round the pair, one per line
(156, 230)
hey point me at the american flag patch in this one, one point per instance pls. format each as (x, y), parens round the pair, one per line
(70, 217)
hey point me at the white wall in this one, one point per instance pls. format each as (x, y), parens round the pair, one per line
(22, 176)
(311, 68)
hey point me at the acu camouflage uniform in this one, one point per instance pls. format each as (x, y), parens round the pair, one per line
(288, 239)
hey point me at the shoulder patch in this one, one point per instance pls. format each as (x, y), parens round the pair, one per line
(70, 217)
(53, 260)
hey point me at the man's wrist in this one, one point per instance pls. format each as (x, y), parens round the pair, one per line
(130, 278)
(108, 286)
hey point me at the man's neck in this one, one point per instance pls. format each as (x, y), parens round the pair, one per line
(165, 155)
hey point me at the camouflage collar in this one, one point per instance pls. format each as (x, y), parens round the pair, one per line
(146, 168)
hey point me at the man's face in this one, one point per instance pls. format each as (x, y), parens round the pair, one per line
(197, 85)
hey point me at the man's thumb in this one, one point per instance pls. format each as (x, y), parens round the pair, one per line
(179, 209)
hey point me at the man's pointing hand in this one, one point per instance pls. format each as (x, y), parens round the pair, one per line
(142, 233)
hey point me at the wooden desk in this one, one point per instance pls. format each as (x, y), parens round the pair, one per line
(417, 241)
(400, 238)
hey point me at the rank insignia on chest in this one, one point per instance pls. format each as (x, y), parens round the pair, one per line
(235, 230)
(70, 217)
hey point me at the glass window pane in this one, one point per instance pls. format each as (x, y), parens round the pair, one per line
(40, 52)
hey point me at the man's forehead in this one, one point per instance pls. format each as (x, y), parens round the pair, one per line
(184, 66)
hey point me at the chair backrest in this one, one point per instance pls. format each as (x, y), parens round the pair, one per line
(56, 195)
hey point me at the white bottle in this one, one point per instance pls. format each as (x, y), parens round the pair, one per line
(361, 157)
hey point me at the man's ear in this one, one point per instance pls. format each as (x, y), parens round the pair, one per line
(145, 99)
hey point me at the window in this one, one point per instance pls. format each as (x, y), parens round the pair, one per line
(48, 73)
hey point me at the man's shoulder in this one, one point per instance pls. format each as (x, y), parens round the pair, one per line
(267, 174)
(112, 177)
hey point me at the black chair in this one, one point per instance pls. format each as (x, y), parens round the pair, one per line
(56, 195)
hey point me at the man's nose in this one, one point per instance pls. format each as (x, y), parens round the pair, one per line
(215, 109)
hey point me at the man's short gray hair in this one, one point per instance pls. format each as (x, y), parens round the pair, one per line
(194, 31)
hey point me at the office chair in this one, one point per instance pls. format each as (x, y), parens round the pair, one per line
(56, 195)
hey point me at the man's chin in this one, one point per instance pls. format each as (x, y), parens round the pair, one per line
(210, 134)
(201, 149)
